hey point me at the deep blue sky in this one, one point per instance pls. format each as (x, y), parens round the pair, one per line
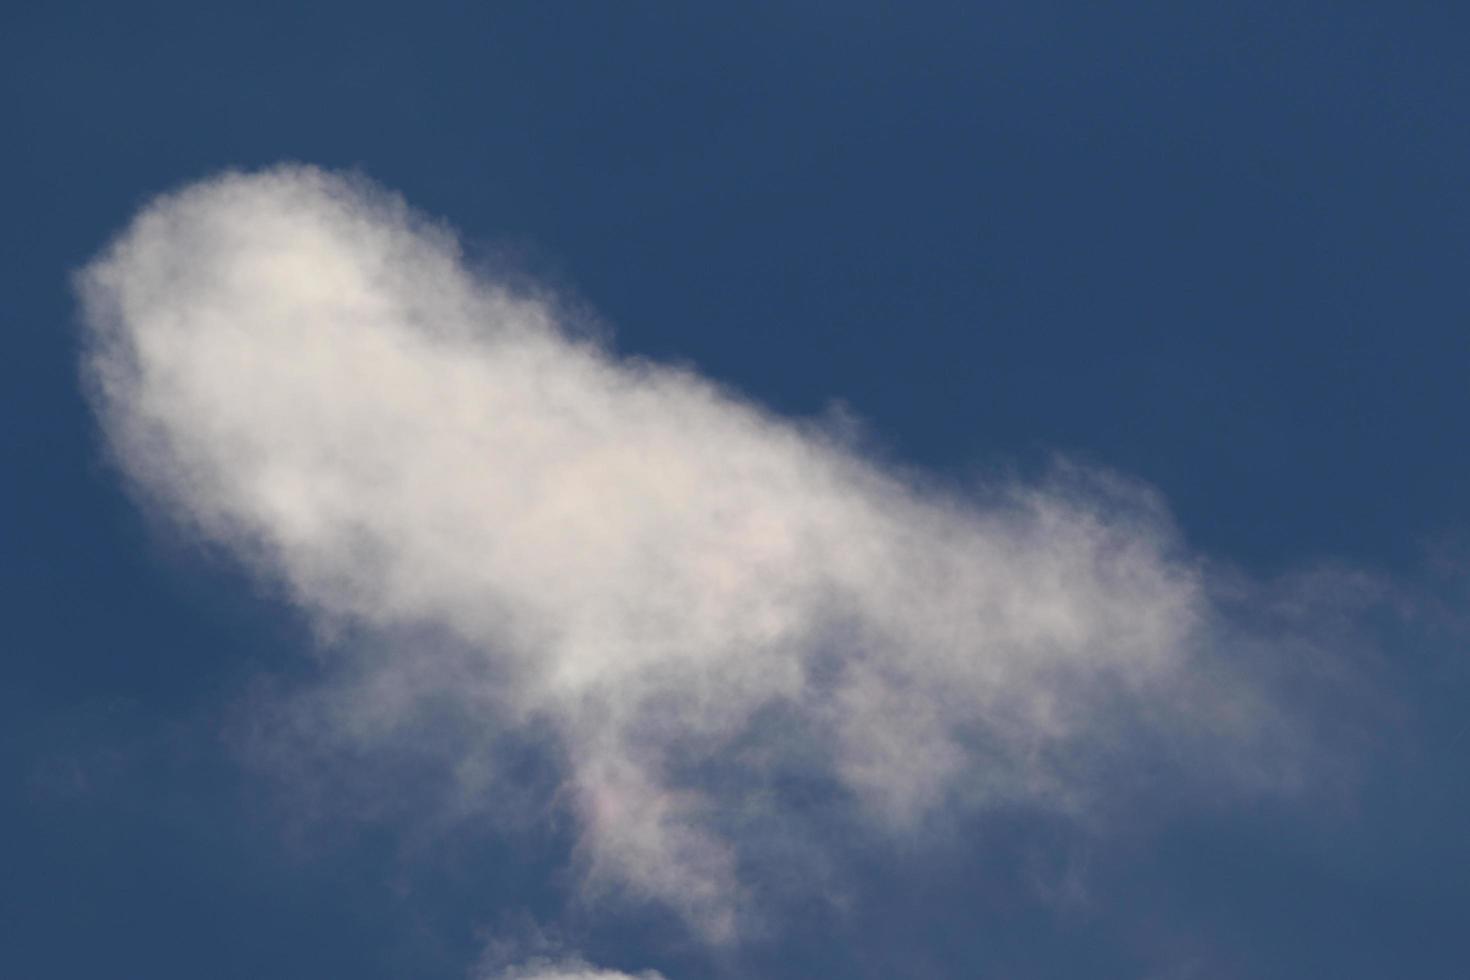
(1219, 247)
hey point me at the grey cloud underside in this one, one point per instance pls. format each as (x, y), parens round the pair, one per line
(665, 576)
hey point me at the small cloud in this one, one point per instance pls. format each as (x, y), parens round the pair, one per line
(571, 969)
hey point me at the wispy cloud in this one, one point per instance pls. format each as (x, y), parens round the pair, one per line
(702, 605)
(570, 970)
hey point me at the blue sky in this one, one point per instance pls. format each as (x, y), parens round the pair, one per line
(977, 279)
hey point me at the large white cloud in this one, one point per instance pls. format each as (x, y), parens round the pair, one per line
(696, 598)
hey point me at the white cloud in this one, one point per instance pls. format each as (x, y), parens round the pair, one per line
(696, 597)
(575, 969)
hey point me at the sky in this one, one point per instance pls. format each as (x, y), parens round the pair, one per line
(516, 491)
